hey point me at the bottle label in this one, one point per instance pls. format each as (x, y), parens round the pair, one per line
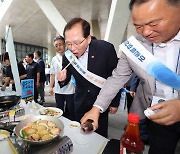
(122, 101)
(123, 150)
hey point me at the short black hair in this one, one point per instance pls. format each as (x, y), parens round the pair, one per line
(38, 53)
(30, 54)
(6, 56)
(85, 26)
(59, 37)
(171, 2)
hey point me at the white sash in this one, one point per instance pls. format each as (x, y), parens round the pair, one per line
(144, 59)
(59, 61)
(91, 77)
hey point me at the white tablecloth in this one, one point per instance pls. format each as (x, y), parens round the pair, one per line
(94, 144)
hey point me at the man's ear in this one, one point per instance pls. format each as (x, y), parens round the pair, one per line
(89, 39)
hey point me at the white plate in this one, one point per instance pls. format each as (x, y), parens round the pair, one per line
(74, 124)
(40, 111)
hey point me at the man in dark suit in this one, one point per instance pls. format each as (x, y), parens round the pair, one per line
(131, 85)
(98, 57)
(39, 60)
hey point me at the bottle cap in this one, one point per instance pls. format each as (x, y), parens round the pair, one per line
(134, 118)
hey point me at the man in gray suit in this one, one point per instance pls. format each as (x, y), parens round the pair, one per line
(157, 22)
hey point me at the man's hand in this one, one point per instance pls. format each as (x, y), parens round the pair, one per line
(62, 75)
(113, 110)
(93, 114)
(132, 93)
(51, 91)
(169, 112)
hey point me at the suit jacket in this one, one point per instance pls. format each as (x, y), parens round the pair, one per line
(133, 83)
(121, 75)
(42, 70)
(102, 59)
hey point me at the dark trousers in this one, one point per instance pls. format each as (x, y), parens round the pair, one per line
(129, 99)
(47, 79)
(41, 91)
(163, 139)
(103, 119)
(35, 93)
(60, 103)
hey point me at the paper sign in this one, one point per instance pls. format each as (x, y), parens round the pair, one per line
(27, 89)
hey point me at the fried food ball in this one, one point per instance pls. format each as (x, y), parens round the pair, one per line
(55, 131)
(43, 132)
(51, 124)
(46, 137)
(31, 124)
(34, 137)
(41, 127)
(30, 131)
(43, 122)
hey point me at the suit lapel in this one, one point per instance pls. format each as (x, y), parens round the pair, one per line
(91, 57)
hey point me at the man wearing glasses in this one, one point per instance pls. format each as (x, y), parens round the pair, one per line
(95, 56)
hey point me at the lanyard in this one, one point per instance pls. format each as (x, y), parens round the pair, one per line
(177, 64)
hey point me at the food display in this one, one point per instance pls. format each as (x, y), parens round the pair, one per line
(40, 130)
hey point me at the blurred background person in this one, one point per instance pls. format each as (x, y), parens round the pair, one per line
(33, 72)
(24, 62)
(8, 73)
(40, 88)
(47, 73)
(65, 94)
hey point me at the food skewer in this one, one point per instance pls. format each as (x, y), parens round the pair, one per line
(68, 64)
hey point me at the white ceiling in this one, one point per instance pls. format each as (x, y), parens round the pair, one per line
(31, 26)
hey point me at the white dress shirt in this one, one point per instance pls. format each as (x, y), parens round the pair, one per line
(168, 54)
(56, 65)
(84, 58)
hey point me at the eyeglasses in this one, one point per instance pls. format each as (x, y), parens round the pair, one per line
(69, 45)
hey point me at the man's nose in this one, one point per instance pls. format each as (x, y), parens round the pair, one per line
(73, 48)
(147, 30)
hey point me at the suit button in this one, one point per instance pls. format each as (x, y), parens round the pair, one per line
(88, 91)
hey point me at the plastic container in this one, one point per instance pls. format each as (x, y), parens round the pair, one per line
(130, 142)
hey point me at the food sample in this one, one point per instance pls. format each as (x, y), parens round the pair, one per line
(49, 112)
(40, 130)
(74, 125)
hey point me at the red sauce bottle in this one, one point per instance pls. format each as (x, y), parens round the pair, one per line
(131, 142)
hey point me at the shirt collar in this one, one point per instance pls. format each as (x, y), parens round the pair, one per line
(162, 45)
(86, 52)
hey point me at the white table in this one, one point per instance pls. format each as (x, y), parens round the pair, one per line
(95, 143)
